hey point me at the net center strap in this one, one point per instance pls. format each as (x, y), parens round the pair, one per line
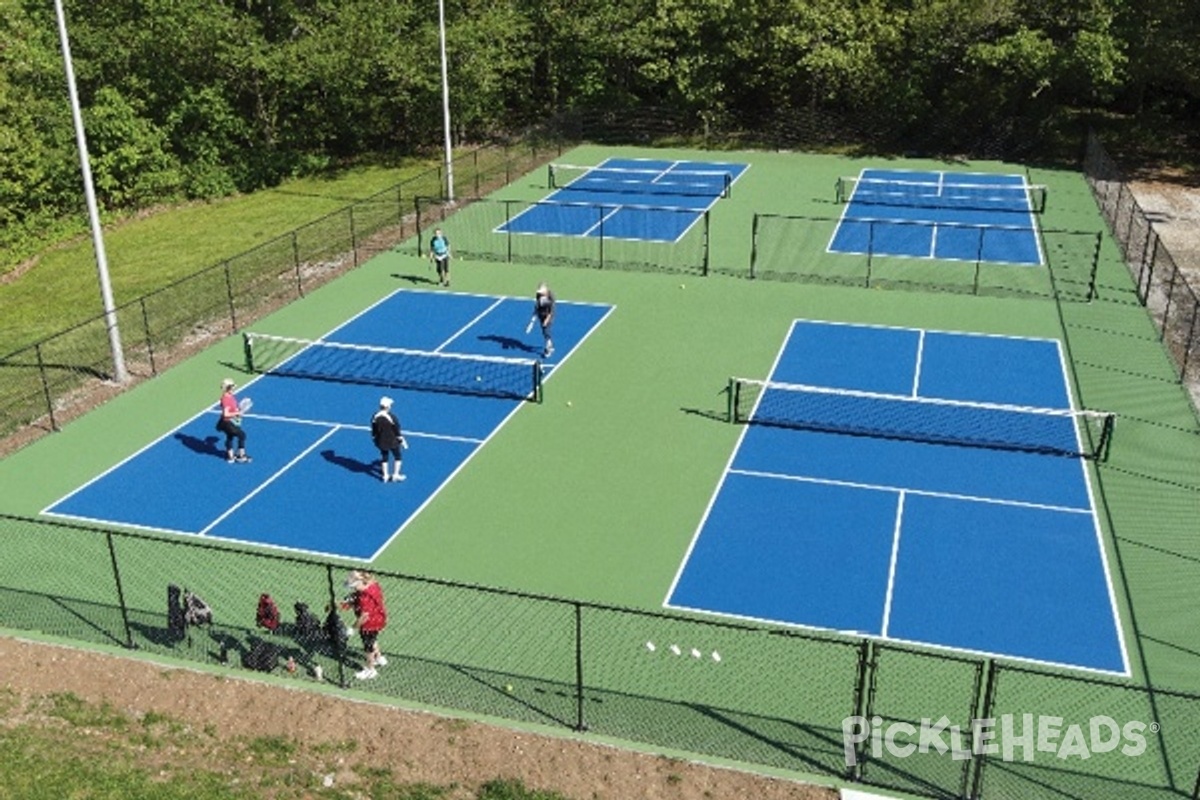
(394, 367)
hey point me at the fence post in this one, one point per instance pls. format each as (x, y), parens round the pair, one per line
(149, 335)
(296, 263)
(1166, 312)
(864, 695)
(1190, 341)
(580, 722)
(112, 557)
(985, 712)
(339, 647)
(41, 363)
(229, 297)
(1093, 292)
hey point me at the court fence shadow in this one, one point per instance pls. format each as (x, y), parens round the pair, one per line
(846, 708)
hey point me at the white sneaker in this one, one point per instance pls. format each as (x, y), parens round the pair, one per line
(386, 478)
(366, 674)
(381, 661)
(398, 477)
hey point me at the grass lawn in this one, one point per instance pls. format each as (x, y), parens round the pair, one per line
(60, 288)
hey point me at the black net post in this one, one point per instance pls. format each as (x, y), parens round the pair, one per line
(870, 253)
(600, 222)
(753, 242)
(508, 234)
(978, 259)
(248, 351)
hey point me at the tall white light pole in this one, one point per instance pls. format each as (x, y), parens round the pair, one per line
(110, 312)
(446, 101)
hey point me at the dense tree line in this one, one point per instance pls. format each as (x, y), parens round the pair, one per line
(199, 98)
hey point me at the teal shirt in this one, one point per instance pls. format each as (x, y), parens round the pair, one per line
(439, 246)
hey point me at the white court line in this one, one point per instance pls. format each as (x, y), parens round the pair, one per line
(783, 476)
(366, 428)
(465, 328)
(916, 384)
(891, 579)
(204, 531)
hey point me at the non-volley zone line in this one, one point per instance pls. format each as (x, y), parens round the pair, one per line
(314, 484)
(992, 550)
(969, 217)
(626, 199)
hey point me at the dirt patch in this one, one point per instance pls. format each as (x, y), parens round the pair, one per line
(415, 747)
(1173, 209)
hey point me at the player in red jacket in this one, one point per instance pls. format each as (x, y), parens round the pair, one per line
(370, 614)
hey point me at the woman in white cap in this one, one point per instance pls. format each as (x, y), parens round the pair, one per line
(385, 430)
(230, 424)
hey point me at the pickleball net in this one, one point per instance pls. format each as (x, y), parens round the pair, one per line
(1063, 432)
(489, 376)
(624, 180)
(1022, 198)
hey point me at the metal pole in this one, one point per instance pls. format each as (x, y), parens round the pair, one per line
(110, 314)
(446, 101)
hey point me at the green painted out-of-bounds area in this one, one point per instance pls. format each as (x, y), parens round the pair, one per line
(589, 502)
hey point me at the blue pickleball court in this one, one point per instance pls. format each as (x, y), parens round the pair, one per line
(636, 199)
(991, 550)
(313, 485)
(949, 216)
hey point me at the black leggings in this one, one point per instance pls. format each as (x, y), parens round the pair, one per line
(233, 432)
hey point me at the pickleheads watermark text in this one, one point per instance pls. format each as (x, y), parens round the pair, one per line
(1012, 737)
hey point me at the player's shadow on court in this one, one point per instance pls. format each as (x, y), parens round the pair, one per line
(347, 463)
(415, 278)
(205, 447)
(509, 343)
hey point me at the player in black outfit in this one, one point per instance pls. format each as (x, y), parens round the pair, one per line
(385, 430)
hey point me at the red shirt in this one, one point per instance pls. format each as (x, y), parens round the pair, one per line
(369, 608)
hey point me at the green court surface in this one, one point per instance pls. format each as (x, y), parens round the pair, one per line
(595, 494)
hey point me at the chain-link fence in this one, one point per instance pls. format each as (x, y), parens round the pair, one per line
(491, 230)
(785, 247)
(882, 714)
(60, 377)
(1168, 292)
